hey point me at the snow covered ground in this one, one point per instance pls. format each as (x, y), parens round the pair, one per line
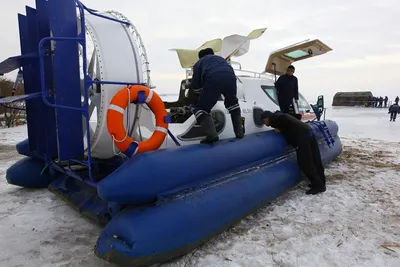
(345, 226)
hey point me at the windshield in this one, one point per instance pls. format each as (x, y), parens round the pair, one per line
(271, 93)
(303, 104)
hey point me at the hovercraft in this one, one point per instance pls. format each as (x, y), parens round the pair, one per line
(100, 136)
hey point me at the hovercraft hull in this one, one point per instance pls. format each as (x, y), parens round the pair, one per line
(174, 227)
(147, 177)
(165, 203)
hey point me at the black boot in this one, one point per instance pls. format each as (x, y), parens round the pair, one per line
(208, 127)
(237, 123)
(316, 190)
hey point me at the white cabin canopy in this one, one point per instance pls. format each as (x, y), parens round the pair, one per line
(231, 46)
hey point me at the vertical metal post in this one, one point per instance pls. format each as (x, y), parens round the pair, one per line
(63, 23)
(49, 115)
(28, 86)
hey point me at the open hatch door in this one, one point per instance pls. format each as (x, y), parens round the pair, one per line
(231, 46)
(281, 59)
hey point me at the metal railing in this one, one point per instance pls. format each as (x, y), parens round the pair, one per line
(240, 72)
(250, 73)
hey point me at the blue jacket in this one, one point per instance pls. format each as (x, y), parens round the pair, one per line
(208, 67)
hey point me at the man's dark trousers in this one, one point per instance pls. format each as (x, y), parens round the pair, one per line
(309, 159)
(221, 83)
(393, 115)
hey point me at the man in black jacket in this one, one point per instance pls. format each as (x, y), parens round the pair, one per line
(213, 76)
(299, 134)
(393, 110)
(287, 88)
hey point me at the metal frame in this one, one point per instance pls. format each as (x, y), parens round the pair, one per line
(64, 165)
(84, 109)
(81, 39)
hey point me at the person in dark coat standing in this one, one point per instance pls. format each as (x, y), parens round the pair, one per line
(380, 101)
(393, 110)
(287, 88)
(373, 101)
(301, 136)
(385, 101)
(213, 76)
(396, 100)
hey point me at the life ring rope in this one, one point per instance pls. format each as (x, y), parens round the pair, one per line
(121, 110)
(115, 113)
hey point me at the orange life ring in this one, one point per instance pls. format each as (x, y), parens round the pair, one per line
(115, 116)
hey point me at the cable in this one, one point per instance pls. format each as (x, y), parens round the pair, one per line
(127, 128)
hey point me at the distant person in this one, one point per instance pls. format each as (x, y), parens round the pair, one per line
(380, 101)
(373, 104)
(396, 100)
(287, 89)
(386, 100)
(393, 110)
(213, 76)
(301, 136)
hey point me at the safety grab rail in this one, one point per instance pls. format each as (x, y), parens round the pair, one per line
(189, 73)
(255, 74)
(85, 108)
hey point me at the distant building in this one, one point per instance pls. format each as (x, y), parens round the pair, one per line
(352, 99)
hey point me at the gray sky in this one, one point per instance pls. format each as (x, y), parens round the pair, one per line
(364, 36)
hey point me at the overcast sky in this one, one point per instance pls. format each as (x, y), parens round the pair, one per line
(364, 36)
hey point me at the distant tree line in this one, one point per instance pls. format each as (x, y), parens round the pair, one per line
(11, 114)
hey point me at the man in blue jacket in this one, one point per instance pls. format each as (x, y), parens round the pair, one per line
(213, 77)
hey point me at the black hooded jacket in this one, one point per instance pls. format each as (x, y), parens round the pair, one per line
(394, 108)
(287, 88)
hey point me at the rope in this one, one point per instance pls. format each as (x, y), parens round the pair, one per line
(44, 168)
(127, 126)
(173, 138)
(134, 121)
